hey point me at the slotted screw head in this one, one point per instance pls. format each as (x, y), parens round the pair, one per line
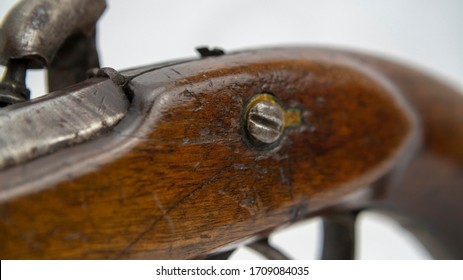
(265, 119)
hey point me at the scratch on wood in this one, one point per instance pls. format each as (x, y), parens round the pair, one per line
(165, 215)
(151, 226)
(285, 180)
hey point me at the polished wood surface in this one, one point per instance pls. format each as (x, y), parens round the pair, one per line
(177, 178)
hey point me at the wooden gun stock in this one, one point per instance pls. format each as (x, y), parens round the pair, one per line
(180, 175)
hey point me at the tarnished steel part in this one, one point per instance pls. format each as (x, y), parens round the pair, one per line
(13, 84)
(75, 56)
(37, 29)
(339, 236)
(266, 119)
(264, 248)
(60, 119)
(265, 122)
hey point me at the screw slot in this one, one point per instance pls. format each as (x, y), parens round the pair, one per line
(265, 120)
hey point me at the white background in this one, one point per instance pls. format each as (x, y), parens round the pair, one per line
(148, 270)
(425, 33)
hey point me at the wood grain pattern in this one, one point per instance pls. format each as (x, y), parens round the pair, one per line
(176, 178)
(426, 195)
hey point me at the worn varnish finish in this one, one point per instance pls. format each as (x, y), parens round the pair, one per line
(176, 178)
(427, 197)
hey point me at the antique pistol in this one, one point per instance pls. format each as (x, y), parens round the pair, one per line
(190, 158)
